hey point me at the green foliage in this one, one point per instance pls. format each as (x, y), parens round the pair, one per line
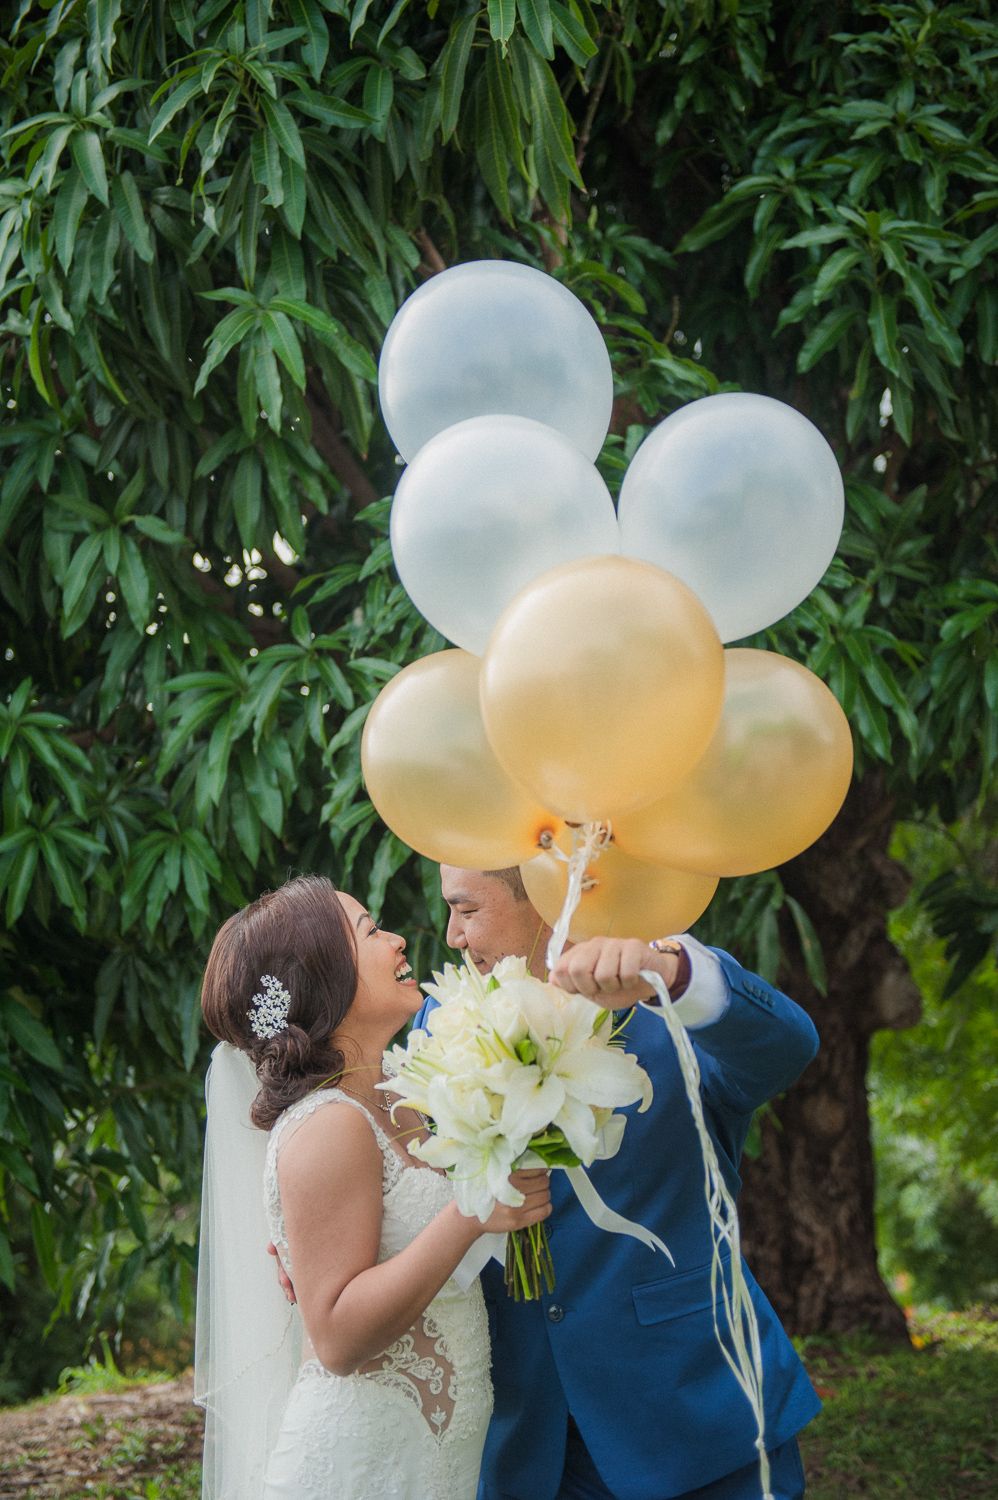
(209, 213)
(933, 1096)
(100, 1374)
(906, 1423)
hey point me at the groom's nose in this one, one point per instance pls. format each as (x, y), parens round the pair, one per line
(455, 932)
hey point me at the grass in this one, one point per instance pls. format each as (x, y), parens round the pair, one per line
(101, 1376)
(917, 1423)
(174, 1484)
(138, 1447)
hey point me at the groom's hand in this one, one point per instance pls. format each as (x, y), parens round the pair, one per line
(606, 970)
(286, 1286)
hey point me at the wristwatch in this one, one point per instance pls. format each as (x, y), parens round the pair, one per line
(684, 970)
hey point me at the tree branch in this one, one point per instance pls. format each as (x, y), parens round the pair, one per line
(594, 103)
(673, 323)
(552, 250)
(334, 450)
(433, 262)
(896, 455)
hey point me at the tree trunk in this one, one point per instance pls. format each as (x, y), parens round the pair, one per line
(807, 1204)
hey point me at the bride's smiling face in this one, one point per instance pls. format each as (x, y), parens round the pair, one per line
(386, 986)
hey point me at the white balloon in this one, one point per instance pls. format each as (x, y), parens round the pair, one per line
(490, 337)
(741, 497)
(484, 508)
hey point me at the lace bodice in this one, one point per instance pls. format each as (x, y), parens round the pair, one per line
(439, 1368)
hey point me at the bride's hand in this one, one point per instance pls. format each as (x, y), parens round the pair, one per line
(535, 1184)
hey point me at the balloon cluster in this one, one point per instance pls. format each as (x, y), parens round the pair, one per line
(589, 685)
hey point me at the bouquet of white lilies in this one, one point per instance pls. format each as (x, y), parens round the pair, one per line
(514, 1072)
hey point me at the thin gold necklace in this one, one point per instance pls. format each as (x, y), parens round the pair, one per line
(369, 1103)
(386, 1108)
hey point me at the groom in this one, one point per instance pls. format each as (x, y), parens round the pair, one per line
(614, 1385)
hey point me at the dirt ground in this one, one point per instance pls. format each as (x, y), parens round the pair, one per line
(98, 1444)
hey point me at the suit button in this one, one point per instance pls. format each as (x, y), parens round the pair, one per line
(555, 1313)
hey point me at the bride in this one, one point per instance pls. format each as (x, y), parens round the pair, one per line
(377, 1386)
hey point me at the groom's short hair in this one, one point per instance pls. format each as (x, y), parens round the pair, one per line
(512, 879)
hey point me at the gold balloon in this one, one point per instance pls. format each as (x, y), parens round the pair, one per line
(621, 897)
(434, 779)
(772, 779)
(601, 686)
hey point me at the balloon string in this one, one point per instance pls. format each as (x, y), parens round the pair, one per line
(588, 842)
(744, 1358)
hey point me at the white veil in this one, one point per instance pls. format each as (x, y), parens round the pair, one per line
(248, 1338)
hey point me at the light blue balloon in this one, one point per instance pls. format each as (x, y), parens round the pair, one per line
(484, 508)
(491, 336)
(740, 496)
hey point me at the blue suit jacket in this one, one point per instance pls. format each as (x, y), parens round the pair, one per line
(626, 1343)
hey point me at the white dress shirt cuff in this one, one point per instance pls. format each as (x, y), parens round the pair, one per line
(706, 997)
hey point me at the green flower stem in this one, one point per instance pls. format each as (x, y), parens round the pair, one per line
(529, 1266)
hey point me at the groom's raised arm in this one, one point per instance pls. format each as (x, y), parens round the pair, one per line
(753, 1040)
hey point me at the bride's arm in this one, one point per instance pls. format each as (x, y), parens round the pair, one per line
(353, 1308)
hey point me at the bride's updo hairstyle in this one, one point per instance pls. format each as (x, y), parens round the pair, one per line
(299, 934)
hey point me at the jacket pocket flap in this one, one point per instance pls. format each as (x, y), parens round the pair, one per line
(674, 1296)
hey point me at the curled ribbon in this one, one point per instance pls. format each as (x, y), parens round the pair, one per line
(604, 1217)
(744, 1357)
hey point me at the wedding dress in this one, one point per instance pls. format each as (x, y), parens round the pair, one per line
(410, 1424)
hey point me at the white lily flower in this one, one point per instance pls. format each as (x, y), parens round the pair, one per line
(507, 1060)
(479, 1171)
(603, 1076)
(509, 968)
(575, 1121)
(532, 1102)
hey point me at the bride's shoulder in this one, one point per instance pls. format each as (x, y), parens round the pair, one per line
(325, 1123)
